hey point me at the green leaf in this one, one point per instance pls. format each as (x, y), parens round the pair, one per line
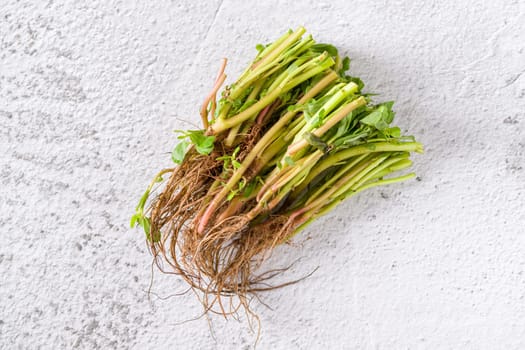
(352, 139)
(236, 151)
(146, 224)
(248, 190)
(393, 132)
(203, 144)
(381, 117)
(358, 81)
(346, 64)
(343, 126)
(246, 105)
(242, 183)
(259, 47)
(316, 142)
(179, 152)
(231, 195)
(134, 220)
(142, 201)
(206, 146)
(391, 113)
(227, 160)
(313, 112)
(331, 49)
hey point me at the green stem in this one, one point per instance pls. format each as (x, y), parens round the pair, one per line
(294, 175)
(335, 177)
(315, 213)
(346, 179)
(400, 165)
(392, 164)
(268, 60)
(340, 156)
(251, 97)
(388, 181)
(332, 121)
(265, 52)
(318, 65)
(263, 63)
(339, 93)
(268, 137)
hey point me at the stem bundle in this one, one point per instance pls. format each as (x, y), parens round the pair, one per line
(287, 142)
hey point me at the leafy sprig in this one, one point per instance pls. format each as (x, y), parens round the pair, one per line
(140, 217)
(203, 144)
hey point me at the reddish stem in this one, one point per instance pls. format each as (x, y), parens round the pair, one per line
(219, 80)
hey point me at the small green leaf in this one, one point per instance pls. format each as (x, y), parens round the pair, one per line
(352, 139)
(203, 144)
(393, 132)
(313, 111)
(146, 224)
(236, 151)
(134, 220)
(358, 81)
(231, 195)
(206, 147)
(259, 47)
(142, 201)
(242, 183)
(288, 160)
(331, 49)
(346, 64)
(343, 127)
(179, 152)
(317, 142)
(380, 118)
(249, 188)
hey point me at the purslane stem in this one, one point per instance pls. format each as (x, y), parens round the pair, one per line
(375, 147)
(315, 213)
(251, 97)
(319, 64)
(268, 137)
(332, 121)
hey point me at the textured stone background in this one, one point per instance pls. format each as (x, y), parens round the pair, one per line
(89, 95)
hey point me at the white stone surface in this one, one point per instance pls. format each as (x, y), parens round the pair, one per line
(89, 94)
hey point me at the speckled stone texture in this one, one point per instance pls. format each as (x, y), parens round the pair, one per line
(91, 91)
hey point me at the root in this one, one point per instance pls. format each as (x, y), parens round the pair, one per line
(221, 262)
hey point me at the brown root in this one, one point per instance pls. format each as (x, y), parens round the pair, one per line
(221, 263)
